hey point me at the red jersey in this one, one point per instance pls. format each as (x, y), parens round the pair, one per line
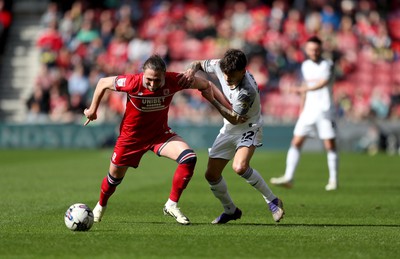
(146, 114)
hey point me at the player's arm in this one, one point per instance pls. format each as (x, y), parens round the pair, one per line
(305, 87)
(211, 92)
(228, 114)
(303, 98)
(207, 87)
(220, 97)
(188, 79)
(104, 84)
(188, 76)
(196, 65)
(312, 86)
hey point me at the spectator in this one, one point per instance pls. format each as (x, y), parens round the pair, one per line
(78, 82)
(5, 16)
(380, 103)
(52, 14)
(50, 42)
(38, 106)
(241, 19)
(5, 22)
(329, 16)
(140, 49)
(116, 38)
(59, 106)
(50, 39)
(87, 33)
(395, 102)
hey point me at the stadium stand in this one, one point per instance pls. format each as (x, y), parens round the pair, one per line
(80, 41)
(20, 59)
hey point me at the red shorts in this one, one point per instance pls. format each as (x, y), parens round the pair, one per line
(130, 155)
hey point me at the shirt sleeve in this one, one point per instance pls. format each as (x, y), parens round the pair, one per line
(210, 65)
(243, 103)
(327, 70)
(125, 83)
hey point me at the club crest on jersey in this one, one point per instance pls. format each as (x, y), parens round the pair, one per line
(121, 82)
(214, 62)
(244, 106)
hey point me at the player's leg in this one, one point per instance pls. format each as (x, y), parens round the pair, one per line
(221, 152)
(327, 132)
(292, 160)
(177, 149)
(219, 188)
(108, 187)
(241, 166)
(300, 132)
(293, 156)
(333, 163)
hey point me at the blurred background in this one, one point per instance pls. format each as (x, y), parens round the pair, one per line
(52, 54)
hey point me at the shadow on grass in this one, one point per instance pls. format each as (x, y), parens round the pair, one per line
(233, 224)
(321, 225)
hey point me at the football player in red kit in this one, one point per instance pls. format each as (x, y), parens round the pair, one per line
(145, 127)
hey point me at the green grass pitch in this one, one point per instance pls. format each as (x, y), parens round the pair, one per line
(360, 220)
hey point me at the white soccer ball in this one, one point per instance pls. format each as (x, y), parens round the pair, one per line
(79, 217)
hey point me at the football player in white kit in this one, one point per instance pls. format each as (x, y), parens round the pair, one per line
(317, 115)
(241, 133)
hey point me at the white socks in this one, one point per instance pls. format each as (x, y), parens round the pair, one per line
(171, 203)
(292, 159)
(333, 162)
(256, 180)
(220, 191)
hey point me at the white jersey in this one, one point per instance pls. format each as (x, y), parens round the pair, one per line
(318, 103)
(245, 99)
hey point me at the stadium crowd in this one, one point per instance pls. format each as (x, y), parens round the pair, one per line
(5, 22)
(82, 41)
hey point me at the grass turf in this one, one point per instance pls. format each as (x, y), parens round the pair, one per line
(360, 220)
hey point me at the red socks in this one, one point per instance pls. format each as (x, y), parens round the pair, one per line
(182, 176)
(108, 187)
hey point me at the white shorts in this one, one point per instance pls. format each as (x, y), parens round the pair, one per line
(225, 145)
(322, 127)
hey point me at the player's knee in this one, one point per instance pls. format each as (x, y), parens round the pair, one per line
(297, 142)
(240, 167)
(188, 157)
(330, 145)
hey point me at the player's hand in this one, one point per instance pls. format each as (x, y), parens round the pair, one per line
(186, 78)
(91, 116)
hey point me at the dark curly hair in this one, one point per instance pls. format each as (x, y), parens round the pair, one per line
(233, 60)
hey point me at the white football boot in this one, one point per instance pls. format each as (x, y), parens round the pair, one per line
(176, 214)
(98, 212)
(331, 186)
(281, 181)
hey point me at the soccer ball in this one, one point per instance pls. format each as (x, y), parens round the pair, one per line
(79, 217)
